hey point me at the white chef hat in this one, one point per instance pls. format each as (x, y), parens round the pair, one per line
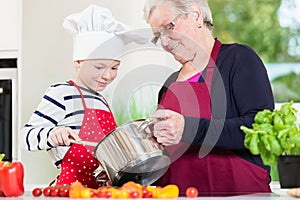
(97, 34)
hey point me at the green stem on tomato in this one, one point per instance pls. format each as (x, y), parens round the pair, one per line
(6, 164)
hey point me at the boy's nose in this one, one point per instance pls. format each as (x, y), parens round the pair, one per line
(106, 74)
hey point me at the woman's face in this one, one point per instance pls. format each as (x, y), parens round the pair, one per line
(96, 74)
(180, 41)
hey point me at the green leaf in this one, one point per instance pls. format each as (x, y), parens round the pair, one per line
(278, 122)
(286, 108)
(267, 128)
(266, 142)
(263, 117)
(295, 139)
(247, 130)
(275, 146)
(268, 158)
(290, 118)
(254, 144)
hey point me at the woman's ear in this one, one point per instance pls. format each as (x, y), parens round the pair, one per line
(196, 12)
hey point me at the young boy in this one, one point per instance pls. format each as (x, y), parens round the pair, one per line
(75, 108)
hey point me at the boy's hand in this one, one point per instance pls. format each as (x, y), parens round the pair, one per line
(60, 136)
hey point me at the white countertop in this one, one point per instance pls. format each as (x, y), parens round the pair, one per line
(277, 193)
(272, 196)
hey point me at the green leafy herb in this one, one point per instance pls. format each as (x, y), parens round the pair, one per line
(273, 133)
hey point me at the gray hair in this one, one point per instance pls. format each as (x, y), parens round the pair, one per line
(181, 7)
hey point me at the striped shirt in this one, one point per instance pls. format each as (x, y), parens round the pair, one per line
(61, 105)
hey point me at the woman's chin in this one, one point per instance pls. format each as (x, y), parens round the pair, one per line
(179, 59)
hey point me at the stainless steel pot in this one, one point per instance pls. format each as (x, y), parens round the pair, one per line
(131, 153)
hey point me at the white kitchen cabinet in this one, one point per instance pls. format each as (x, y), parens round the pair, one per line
(10, 28)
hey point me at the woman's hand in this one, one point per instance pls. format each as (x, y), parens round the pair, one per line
(168, 126)
(60, 136)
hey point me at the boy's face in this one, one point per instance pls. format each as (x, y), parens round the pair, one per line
(96, 74)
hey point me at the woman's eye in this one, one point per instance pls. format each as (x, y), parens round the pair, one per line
(169, 27)
(98, 67)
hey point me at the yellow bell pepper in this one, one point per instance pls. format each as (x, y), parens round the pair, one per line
(169, 192)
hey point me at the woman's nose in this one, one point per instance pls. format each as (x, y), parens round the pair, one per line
(164, 39)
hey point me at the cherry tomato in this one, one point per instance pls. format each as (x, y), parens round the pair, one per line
(85, 193)
(100, 192)
(133, 187)
(123, 194)
(75, 189)
(37, 192)
(107, 194)
(54, 192)
(47, 191)
(93, 193)
(134, 195)
(191, 192)
(64, 192)
(146, 193)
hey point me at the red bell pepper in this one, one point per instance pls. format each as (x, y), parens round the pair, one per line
(11, 178)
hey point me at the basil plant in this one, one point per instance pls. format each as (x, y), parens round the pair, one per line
(274, 133)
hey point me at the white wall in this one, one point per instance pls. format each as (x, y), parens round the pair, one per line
(46, 57)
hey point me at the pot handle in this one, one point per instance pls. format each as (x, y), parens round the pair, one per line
(93, 144)
(100, 175)
(142, 128)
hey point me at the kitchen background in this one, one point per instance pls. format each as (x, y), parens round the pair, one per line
(31, 31)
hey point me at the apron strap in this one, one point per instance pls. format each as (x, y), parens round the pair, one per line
(106, 103)
(209, 75)
(212, 63)
(82, 98)
(81, 95)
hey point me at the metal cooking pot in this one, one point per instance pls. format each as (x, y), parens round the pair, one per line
(131, 153)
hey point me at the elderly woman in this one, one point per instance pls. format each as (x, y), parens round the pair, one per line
(218, 88)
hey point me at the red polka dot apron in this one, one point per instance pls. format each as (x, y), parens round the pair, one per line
(221, 172)
(79, 163)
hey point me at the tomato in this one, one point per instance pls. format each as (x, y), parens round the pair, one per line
(54, 192)
(107, 194)
(77, 185)
(114, 192)
(37, 192)
(75, 190)
(191, 192)
(93, 193)
(133, 187)
(47, 191)
(85, 193)
(146, 193)
(73, 193)
(134, 195)
(154, 190)
(123, 194)
(100, 192)
(64, 192)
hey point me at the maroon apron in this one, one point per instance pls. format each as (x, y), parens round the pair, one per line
(221, 172)
(79, 163)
